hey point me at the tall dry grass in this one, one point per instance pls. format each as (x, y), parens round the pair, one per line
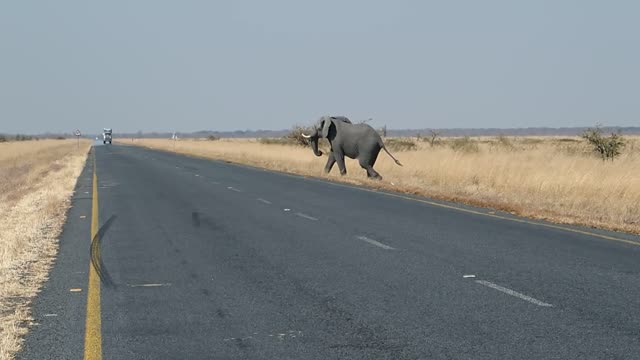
(36, 181)
(553, 178)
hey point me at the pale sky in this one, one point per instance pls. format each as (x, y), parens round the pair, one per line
(235, 65)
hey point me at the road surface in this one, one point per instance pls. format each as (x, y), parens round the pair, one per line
(200, 259)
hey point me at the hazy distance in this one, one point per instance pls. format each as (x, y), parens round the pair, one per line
(235, 65)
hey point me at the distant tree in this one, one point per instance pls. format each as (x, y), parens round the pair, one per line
(608, 148)
(434, 137)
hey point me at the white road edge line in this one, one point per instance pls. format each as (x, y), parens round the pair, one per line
(264, 201)
(233, 189)
(306, 216)
(373, 242)
(513, 293)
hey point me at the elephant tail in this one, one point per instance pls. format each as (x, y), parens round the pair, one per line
(387, 151)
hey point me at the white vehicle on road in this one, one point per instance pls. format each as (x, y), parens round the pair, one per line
(106, 136)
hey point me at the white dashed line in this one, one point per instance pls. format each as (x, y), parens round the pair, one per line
(149, 285)
(50, 315)
(197, 175)
(513, 293)
(373, 242)
(264, 201)
(233, 189)
(468, 276)
(306, 216)
(215, 182)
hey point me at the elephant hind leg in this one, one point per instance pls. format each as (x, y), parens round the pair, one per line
(371, 173)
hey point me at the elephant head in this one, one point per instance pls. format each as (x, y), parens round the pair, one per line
(319, 129)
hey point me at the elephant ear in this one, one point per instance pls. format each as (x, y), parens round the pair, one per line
(325, 127)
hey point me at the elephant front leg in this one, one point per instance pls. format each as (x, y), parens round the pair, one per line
(330, 161)
(340, 160)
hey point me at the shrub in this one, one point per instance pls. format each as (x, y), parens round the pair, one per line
(3, 138)
(503, 142)
(20, 137)
(295, 136)
(465, 144)
(400, 145)
(275, 141)
(608, 148)
(212, 138)
(434, 138)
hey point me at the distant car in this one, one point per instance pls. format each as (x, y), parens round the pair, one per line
(106, 136)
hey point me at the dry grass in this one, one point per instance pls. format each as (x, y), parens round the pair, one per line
(553, 178)
(36, 182)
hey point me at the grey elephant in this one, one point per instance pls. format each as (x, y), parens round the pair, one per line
(356, 141)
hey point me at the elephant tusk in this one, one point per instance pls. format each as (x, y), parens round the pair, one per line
(306, 136)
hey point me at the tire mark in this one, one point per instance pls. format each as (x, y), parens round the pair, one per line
(96, 257)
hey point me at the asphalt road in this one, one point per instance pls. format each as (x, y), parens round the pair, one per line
(207, 260)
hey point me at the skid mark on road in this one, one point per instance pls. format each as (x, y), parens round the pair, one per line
(375, 243)
(195, 219)
(96, 257)
(513, 293)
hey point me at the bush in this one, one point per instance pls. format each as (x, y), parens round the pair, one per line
(400, 145)
(608, 148)
(502, 142)
(465, 144)
(295, 136)
(212, 138)
(20, 137)
(60, 137)
(275, 141)
(434, 138)
(3, 138)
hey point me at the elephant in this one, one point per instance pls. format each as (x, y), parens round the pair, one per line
(356, 141)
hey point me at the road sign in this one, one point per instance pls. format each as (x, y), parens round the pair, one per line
(77, 134)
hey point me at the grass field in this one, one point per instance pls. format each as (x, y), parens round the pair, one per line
(36, 181)
(554, 178)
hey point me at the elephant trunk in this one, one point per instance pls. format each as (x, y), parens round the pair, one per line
(313, 140)
(314, 146)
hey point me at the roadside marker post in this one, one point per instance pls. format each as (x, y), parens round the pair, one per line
(77, 133)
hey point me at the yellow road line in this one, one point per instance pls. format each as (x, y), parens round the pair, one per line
(93, 331)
